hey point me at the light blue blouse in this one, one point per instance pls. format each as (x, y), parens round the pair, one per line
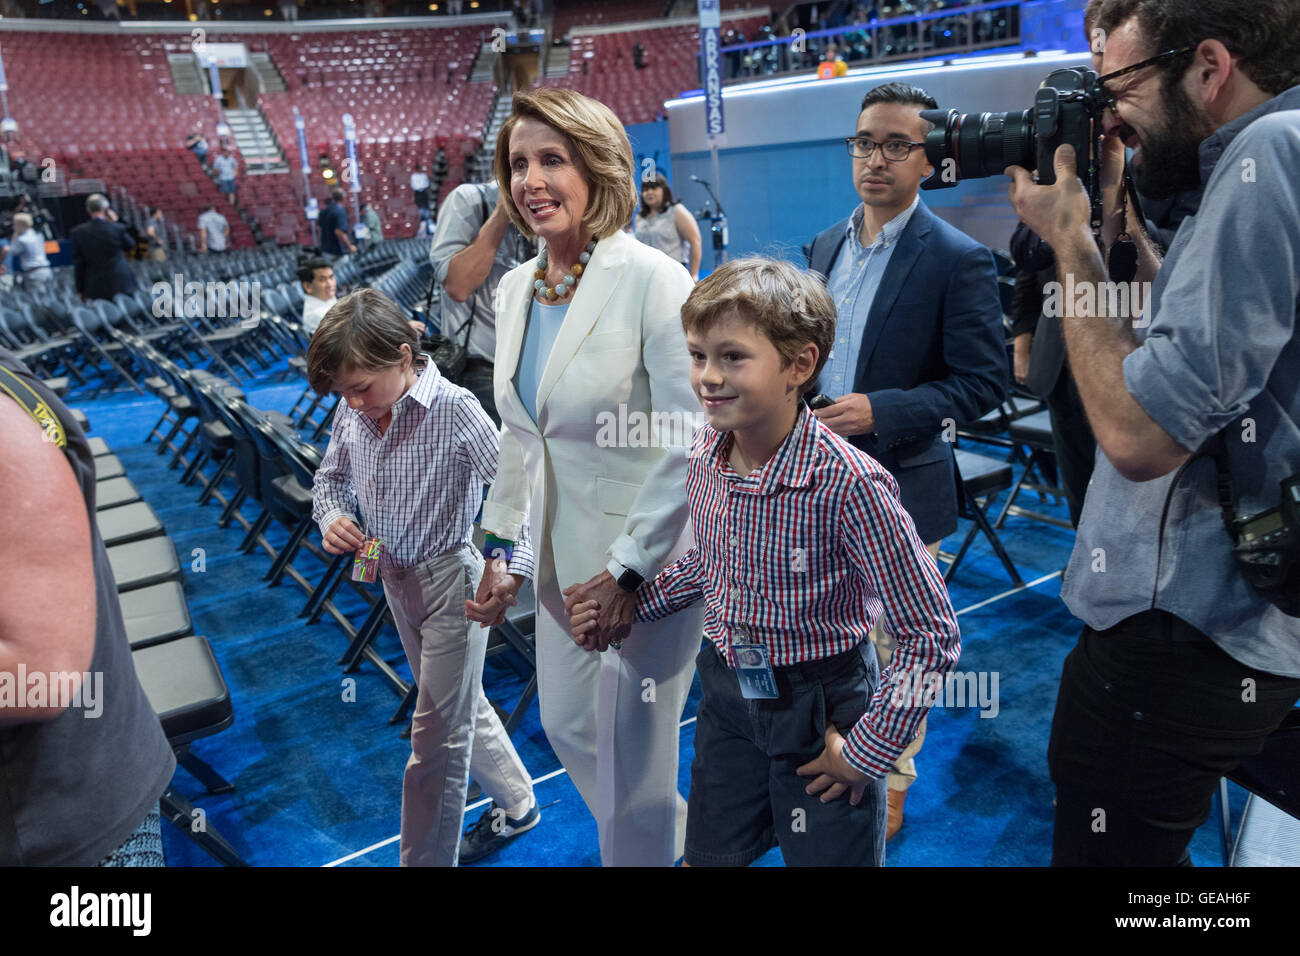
(544, 322)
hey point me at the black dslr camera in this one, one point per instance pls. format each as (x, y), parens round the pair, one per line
(1267, 549)
(1067, 109)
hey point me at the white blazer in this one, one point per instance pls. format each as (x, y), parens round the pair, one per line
(620, 356)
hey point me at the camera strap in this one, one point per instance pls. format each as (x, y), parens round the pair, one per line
(1218, 449)
(1122, 257)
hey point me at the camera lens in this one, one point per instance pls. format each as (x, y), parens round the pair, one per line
(978, 145)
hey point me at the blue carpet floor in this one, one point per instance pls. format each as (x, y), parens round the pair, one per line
(317, 774)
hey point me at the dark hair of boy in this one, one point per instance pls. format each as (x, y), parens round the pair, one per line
(364, 330)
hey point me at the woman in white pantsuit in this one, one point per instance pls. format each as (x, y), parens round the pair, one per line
(593, 387)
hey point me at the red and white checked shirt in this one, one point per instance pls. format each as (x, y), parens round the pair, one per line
(805, 554)
(418, 486)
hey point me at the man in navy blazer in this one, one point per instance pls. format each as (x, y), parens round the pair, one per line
(97, 253)
(919, 346)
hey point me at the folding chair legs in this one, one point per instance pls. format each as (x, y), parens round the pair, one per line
(159, 424)
(179, 456)
(408, 704)
(287, 553)
(1225, 822)
(326, 588)
(166, 442)
(259, 526)
(191, 471)
(366, 634)
(311, 410)
(202, 771)
(231, 507)
(181, 814)
(325, 422)
(211, 487)
(982, 524)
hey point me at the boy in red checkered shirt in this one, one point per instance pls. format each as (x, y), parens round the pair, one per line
(800, 545)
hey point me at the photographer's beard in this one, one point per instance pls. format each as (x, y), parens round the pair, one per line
(1170, 159)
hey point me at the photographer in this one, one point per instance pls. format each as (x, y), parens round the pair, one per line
(1183, 667)
(474, 246)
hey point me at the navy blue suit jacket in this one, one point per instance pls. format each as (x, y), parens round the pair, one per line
(933, 349)
(100, 267)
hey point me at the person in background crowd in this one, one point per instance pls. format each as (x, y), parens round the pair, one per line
(374, 226)
(832, 65)
(99, 250)
(335, 236)
(668, 225)
(474, 246)
(420, 188)
(318, 288)
(29, 249)
(156, 230)
(226, 164)
(198, 145)
(214, 231)
(919, 342)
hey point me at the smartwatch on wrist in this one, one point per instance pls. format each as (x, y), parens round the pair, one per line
(629, 580)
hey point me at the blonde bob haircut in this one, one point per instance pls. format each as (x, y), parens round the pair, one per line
(596, 138)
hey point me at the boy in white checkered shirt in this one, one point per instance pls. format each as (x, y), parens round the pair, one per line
(408, 459)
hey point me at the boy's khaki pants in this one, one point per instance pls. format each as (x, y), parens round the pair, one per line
(454, 729)
(903, 774)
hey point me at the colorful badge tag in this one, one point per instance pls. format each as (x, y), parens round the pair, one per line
(366, 565)
(754, 671)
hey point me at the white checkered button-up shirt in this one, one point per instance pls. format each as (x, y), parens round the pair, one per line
(803, 555)
(418, 486)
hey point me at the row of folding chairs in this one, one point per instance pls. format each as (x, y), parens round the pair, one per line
(262, 455)
(177, 668)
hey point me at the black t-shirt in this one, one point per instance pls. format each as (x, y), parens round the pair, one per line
(72, 789)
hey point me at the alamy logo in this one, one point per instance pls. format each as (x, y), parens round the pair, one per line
(1088, 300)
(216, 300)
(918, 688)
(62, 689)
(74, 908)
(637, 429)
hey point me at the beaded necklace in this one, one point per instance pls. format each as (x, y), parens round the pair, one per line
(565, 286)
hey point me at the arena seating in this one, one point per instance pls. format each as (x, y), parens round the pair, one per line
(637, 96)
(118, 119)
(603, 12)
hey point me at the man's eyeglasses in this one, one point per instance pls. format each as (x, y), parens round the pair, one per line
(1109, 96)
(895, 150)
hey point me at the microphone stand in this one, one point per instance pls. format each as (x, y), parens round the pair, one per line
(718, 220)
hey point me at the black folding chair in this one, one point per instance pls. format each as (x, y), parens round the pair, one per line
(1272, 776)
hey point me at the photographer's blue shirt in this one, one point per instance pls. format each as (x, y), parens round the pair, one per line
(1220, 353)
